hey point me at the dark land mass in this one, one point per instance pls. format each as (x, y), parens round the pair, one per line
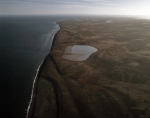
(113, 82)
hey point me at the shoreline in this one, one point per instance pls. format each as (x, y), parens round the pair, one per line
(104, 85)
(31, 106)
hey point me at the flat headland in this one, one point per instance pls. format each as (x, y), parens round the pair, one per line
(112, 82)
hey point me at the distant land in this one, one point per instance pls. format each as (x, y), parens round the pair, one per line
(113, 82)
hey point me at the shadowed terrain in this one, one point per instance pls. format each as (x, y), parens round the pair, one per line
(114, 82)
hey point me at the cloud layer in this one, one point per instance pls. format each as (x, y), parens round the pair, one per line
(112, 7)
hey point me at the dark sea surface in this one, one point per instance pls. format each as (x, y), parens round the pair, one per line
(24, 43)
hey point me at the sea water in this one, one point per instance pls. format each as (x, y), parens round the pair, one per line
(24, 43)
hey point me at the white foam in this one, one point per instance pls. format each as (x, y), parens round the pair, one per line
(54, 33)
(33, 89)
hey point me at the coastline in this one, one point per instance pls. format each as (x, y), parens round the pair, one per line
(31, 106)
(98, 86)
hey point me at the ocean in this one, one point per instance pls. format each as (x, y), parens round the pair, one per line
(25, 41)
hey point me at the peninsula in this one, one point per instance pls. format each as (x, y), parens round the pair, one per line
(113, 81)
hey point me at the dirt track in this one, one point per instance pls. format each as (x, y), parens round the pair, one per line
(113, 82)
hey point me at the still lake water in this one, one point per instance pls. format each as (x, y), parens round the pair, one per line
(78, 52)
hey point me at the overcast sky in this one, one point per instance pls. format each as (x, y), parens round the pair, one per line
(104, 7)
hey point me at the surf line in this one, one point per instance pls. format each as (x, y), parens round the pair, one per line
(36, 76)
(33, 88)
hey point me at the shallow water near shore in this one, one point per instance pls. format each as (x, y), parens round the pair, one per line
(25, 42)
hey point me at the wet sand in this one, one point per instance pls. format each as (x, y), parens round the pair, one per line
(113, 82)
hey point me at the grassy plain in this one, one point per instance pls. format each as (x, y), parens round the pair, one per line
(113, 82)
